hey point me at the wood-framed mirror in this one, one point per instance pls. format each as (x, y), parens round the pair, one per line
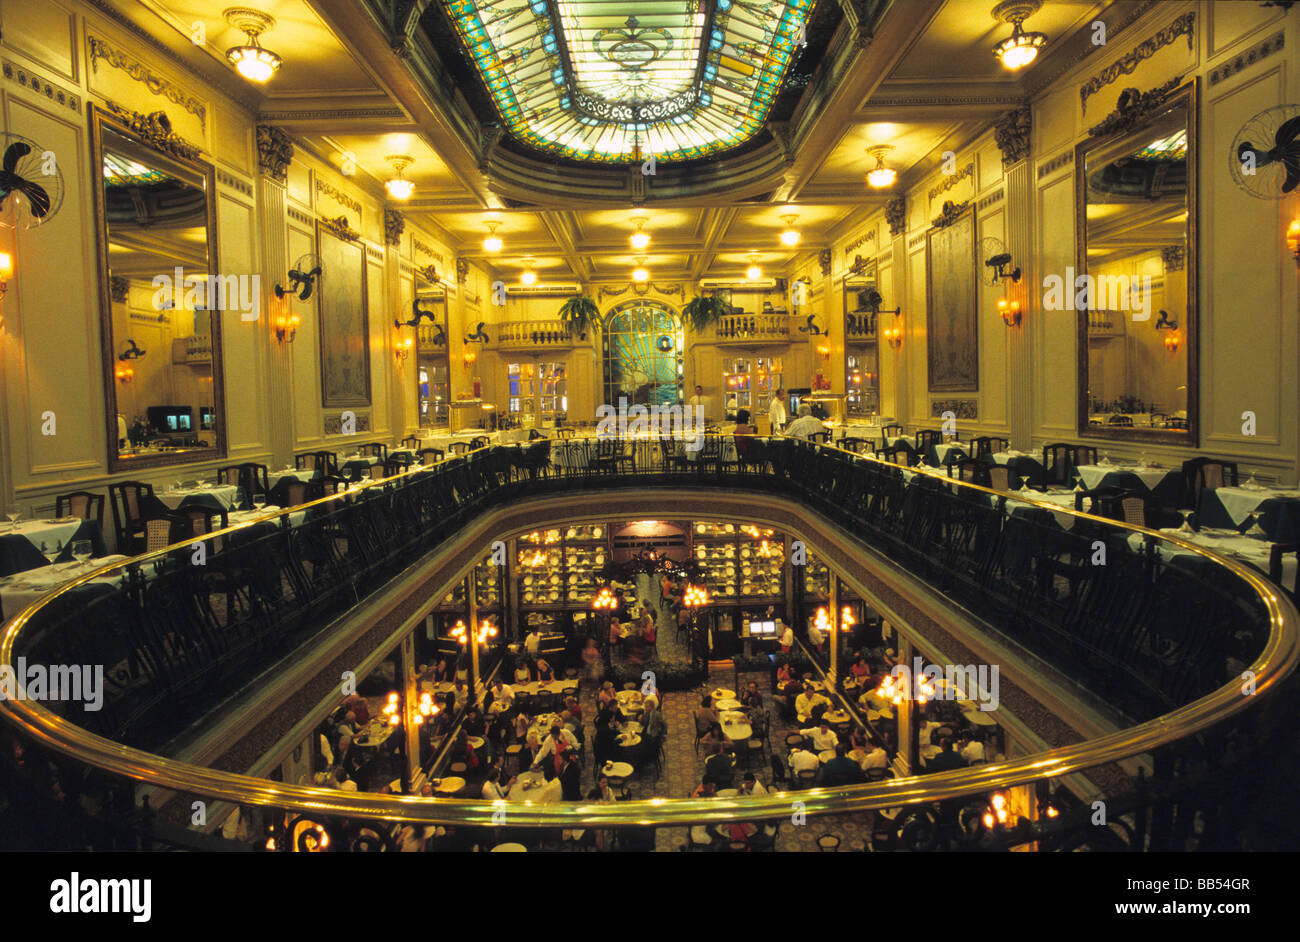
(1134, 290)
(160, 296)
(861, 299)
(432, 358)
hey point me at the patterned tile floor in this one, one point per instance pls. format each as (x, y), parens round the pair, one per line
(683, 769)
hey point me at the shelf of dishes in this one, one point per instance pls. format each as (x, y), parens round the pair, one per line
(817, 578)
(489, 588)
(580, 533)
(739, 561)
(565, 572)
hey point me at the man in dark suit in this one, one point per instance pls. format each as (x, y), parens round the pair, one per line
(570, 778)
(947, 759)
(840, 771)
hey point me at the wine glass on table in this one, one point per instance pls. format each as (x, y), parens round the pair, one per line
(81, 551)
(13, 514)
(51, 550)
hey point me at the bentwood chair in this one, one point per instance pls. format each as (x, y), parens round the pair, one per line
(81, 504)
(131, 501)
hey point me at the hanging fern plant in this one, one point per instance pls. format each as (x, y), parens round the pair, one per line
(703, 310)
(578, 314)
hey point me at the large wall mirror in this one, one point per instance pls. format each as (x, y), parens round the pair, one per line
(160, 299)
(432, 363)
(861, 357)
(1136, 199)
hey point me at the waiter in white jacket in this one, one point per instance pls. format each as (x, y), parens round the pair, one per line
(777, 411)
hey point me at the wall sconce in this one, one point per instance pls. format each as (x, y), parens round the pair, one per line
(1173, 341)
(6, 272)
(402, 350)
(1010, 312)
(469, 356)
(286, 327)
(1292, 239)
(824, 350)
(893, 336)
(125, 374)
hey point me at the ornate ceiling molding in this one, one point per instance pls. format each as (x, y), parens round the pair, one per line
(1183, 26)
(896, 215)
(100, 49)
(394, 224)
(274, 152)
(1011, 133)
(952, 179)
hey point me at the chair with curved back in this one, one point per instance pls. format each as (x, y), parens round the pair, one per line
(130, 502)
(431, 455)
(374, 450)
(564, 431)
(1205, 473)
(459, 448)
(986, 446)
(1000, 477)
(83, 504)
(1058, 463)
(927, 438)
(968, 469)
(412, 442)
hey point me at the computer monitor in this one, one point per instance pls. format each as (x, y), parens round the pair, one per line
(762, 629)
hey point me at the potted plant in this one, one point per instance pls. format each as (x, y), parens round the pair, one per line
(578, 313)
(703, 310)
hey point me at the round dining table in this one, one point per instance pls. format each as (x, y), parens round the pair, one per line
(509, 848)
(728, 703)
(722, 693)
(449, 785)
(617, 769)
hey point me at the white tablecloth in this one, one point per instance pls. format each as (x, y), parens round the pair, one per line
(1252, 550)
(1092, 474)
(22, 589)
(1241, 502)
(943, 450)
(226, 494)
(43, 531)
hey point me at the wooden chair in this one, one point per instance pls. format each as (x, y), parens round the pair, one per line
(374, 450)
(459, 448)
(858, 446)
(610, 456)
(892, 430)
(231, 475)
(431, 455)
(162, 528)
(1000, 477)
(968, 469)
(564, 432)
(326, 462)
(479, 441)
(332, 484)
(986, 446)
(394, 466)
(1275, 566)
(295, 493)
(821, 438)
(1082, 454)
(412, 442)
(1057, 460)
(1202, 473)
(83, 504)
(927, 438)
(254, 481)
(901, 453)
(130, 502)
(1134, 509)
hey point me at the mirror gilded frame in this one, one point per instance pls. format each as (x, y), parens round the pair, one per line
(150, 138)
(1156, 111)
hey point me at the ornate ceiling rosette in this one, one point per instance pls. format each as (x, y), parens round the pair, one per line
(619, 81)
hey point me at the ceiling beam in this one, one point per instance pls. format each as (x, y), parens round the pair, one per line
(562, 226)
(714, 224)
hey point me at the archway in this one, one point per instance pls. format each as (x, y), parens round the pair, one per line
(642, 344)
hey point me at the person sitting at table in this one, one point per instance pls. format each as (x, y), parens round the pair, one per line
(522, 674)
(876, 758)
(801, 760)
(751, 699)
(459, 695)
(342, 782)
(493, 790)
(706, 716)
(787, 637)
(805, 703)
(649, 630)
(705, 790)
(615, 632)
(602, 792)
(442, 671)
(840, 770)
(545, 673)
(714, 736)
(742, 423)
(606, 695)
(349, 725)
(502, 698)
(947, 759)
(593, 665)
(522, 723)
(574, 709)
(805, 425)
(441, 724)
(462, 671)
(860, 669)
(822, 736)
(554, 747)
(474, 724)
(358, 708)
(347, 756)
(972, 750)
(719, 767)
(858, 739)
(570, 776)
(752, 786)
(653, 726)
(463, 751)
(784, 674)
(667, 593)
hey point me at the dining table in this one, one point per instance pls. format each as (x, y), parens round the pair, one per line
(1164, 484)
(1021, 466)
(449, 785)
(216, 496)
(20, 589)
(1251, 549)
(735, 725)
(20, 544)
(1276, 509)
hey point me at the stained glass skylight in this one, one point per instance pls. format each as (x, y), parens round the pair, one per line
(616, 81)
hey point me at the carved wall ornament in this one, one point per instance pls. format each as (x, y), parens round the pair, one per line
(429, 273)
(16, 73)
(640, 290)
(896, 214)
(394, 224)
(860, 265)
(333, 424)
(462, 270)
(340, 228)
(117, 288)
(155, 129)
(1259, 51)
(824, 261)
(146, 77)
(949, 215)
(338, 196)
(961, 408)
(1174, 257)
(952, 179)
(1011, 132)
(1145, 50)
(1134, 108)
(274, 152)
(860, 241)
(428, 250)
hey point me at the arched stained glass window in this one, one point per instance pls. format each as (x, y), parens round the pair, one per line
(643, 353)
